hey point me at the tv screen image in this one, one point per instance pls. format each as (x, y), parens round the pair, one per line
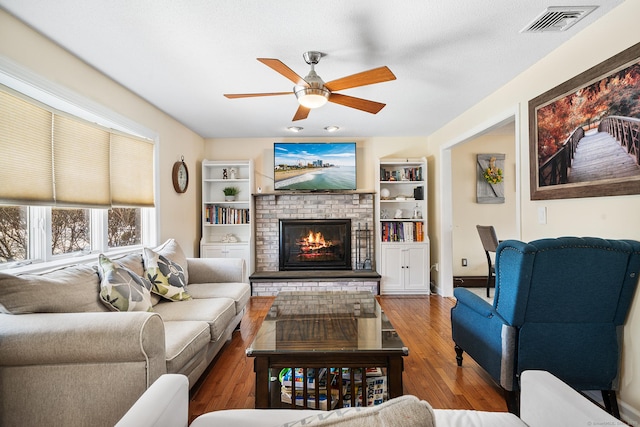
(314, 166)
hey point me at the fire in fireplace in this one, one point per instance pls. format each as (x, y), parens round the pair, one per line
(315, 244)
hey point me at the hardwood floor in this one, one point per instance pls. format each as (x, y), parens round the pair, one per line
(430, 370)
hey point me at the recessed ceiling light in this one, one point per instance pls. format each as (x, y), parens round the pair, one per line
(331, 128)
(294, 128)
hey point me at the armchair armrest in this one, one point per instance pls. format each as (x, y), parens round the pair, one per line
(478, 329)
(474, 302)
(547, 401)
(216, 270)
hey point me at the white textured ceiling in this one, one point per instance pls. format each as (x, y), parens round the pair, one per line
(182, 55)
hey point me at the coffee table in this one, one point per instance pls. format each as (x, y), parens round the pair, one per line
(338, 334)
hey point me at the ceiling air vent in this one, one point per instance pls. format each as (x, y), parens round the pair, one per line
(558, 18)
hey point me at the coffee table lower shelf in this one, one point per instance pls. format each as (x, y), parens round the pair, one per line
(268, 366)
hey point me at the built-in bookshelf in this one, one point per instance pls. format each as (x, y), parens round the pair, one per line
(226, 221)
(402, 242)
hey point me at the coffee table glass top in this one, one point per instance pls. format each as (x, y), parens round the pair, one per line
(326, 321)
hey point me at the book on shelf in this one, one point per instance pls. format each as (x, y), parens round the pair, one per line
(311, 400)
(285, 377)
(216, 214)
(402, 231)
(376, 392)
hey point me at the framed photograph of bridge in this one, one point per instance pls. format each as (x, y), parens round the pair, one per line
(584, 134)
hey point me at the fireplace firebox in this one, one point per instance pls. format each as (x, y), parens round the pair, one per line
(308, 244)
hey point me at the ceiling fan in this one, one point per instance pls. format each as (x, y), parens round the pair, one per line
(312, 92)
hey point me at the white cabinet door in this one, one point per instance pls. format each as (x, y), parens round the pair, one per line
(415, 272)
(392, 273)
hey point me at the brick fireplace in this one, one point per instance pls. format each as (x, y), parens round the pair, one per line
(271, 208)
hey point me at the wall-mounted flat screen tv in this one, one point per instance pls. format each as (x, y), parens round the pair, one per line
(314, 166)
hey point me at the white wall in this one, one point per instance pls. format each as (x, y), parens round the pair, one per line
(179, 215)
(612, 217)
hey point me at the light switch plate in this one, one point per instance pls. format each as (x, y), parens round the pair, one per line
(542, 214)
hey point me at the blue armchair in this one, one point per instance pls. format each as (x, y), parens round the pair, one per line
(559, 306)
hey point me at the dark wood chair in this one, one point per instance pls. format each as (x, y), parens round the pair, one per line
(490, 244)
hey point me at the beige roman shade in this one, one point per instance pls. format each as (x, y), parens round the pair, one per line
(80, 163)
(131, 171)
(50, 158)
(25, 152)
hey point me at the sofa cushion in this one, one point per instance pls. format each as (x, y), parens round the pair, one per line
(67, 290)
(121, 289)
(217, 312)
(183, 340)
(166, 276)
(238, 292)
(403, 411)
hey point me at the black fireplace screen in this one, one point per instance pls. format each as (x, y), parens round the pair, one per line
(315, 244)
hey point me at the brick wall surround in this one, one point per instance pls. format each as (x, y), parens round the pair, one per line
(270, 208)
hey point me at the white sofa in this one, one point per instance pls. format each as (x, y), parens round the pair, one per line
(545, 402)
(66, 358)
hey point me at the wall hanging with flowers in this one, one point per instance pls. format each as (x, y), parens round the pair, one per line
(490, 178)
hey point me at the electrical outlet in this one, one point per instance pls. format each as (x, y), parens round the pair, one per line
(464, 262)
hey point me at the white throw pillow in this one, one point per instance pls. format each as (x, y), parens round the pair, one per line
(403, 411)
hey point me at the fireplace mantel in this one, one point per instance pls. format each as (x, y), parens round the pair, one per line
(310, 193)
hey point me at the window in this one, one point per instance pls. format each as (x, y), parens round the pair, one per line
(70, 187)
(70, 231)
(13, 234)
(124, 227)
(73, 232)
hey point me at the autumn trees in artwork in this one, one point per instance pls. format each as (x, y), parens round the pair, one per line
(615, 95)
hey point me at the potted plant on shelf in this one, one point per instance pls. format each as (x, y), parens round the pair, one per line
(230, 193)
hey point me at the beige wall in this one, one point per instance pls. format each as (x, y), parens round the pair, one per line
(179, 215)
(467, 213)
(368, 150)
(612, 217)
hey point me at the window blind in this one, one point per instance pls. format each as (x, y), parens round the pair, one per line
(80, 164)
(53, 159)
(26, 154)
(131, 171)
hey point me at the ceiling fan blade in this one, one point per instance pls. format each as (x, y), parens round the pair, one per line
(252, 95)
(301, 113)
(377, 75)
(357, 103)
(279, 66)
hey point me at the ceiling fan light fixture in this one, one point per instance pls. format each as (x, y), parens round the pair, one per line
(294, 128)
(331, 128)
(312, 97)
